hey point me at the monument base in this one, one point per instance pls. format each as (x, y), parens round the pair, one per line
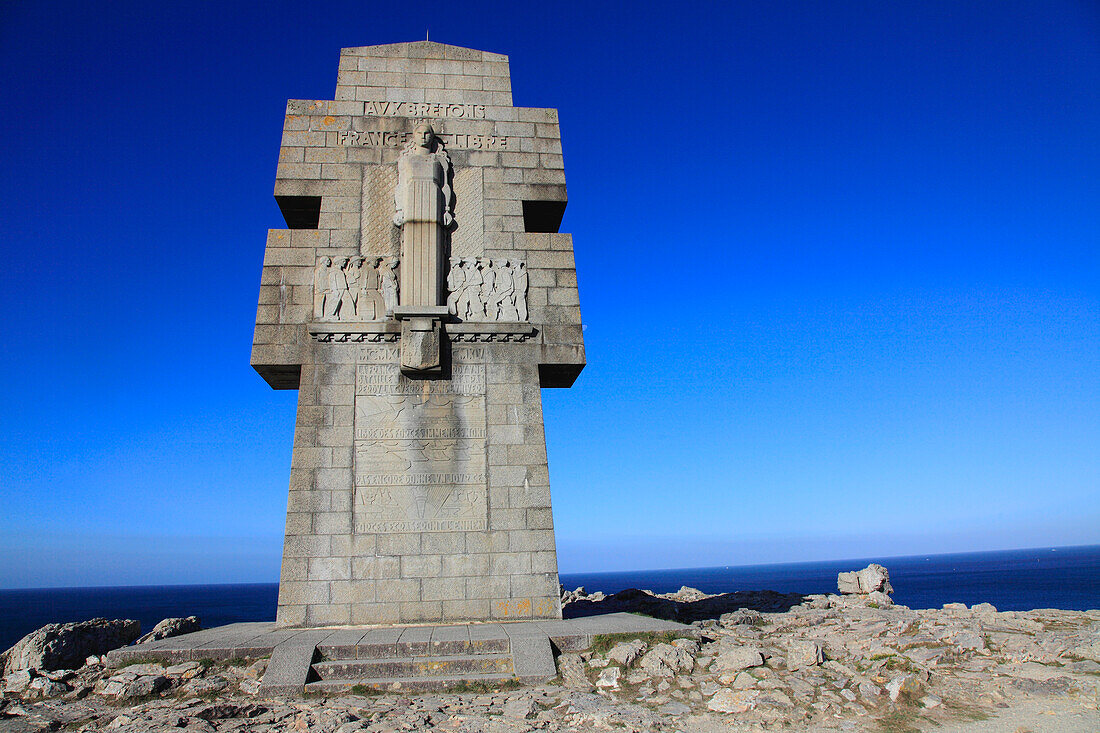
(409, 658)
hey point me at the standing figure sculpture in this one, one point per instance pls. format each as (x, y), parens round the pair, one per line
(338, 298)
(351, 275)
(423, 211)
(456, 280)
(519, 297)
(506, 308)
(371, 304)
(470, 305)
(488, 290)
(390, 288)
(321, 288)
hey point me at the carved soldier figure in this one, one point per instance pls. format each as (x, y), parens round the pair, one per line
(338, 295)
(488, 289)
(371, 305)
(519, 278)
(351, 275)
(470, 305)
(423, 211)
(389, 285)
(321, 288)
(456, 281)
(505, 289)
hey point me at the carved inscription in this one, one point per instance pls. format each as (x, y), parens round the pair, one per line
(425, 109)
(419, 449)
(392, 139)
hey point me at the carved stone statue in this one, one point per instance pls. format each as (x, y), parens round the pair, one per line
(505, 295)
(390, 288)
(372, 306)
(470, 305)
(519, 279)
(423, 211)
(321, 292)
(488, 290)
(338, 301)
(351, 275)
(456, 280)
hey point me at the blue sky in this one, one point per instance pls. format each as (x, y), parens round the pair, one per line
(838, 265)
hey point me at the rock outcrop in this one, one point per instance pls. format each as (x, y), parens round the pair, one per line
(873, 578)
(170, 627)
(829, 662)
(66, 646)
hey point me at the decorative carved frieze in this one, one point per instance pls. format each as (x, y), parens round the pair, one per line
(483, 289)
(355, 289)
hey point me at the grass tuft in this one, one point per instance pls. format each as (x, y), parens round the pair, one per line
(603, 643)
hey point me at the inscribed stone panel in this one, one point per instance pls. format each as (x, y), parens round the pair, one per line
(420, 451)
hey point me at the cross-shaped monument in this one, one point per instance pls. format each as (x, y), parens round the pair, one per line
(418, 300)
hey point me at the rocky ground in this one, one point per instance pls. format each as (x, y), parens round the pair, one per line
(839, 662)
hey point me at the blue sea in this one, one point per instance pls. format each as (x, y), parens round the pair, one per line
(1014, 580)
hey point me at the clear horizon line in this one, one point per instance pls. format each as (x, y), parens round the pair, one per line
(602, 572)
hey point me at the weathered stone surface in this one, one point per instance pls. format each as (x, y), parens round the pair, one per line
(908, 685)
(170, 627)
(571, 669)
(66, 646)
(870, 648)
(146, 685)
(666, 660)
(731, 701)
(738, 658)
(609, 678)
(626, 652)
(804, 653)
(17, 682)
(741, 617)
(418, 300)
(872, 578)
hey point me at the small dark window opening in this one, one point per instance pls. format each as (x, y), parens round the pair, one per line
(542, 216)
(300, 212)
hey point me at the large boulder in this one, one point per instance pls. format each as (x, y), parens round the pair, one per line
(66, 646)
(170, 627)
(872, 578)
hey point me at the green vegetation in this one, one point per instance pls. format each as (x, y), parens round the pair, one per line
(602, 643)
(484, 687)
(965, 712)
(899, 721)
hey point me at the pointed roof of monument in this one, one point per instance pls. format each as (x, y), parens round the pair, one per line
(424, 50)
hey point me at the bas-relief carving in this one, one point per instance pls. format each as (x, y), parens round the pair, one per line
(423, 201)
(423, 190)
(354, 289)
(419, 450)
(482, 289)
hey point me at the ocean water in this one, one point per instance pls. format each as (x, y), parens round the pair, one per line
(1015, 580)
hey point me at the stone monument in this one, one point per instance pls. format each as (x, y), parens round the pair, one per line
(419, 298)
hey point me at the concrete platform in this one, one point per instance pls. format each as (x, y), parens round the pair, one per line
(298, 655)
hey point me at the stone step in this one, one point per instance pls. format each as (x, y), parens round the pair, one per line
(367, 649)
(408, 667)
(410, 684)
